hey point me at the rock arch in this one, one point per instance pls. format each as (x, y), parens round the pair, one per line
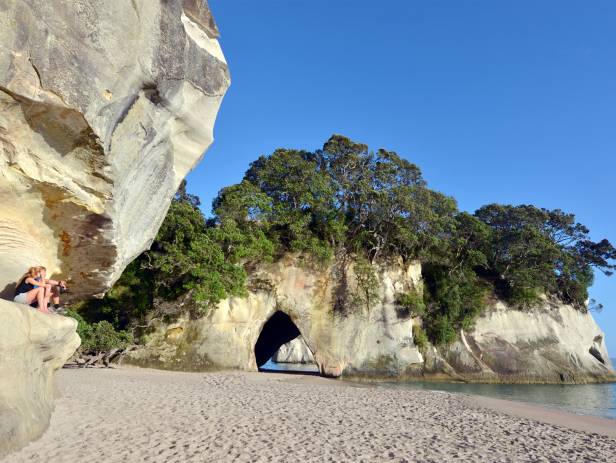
(277, 330)
(374, 341)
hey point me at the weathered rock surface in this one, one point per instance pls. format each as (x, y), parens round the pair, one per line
(104, 108)
(32, 346)
(295, 351)
(550, 343)
(344, 335)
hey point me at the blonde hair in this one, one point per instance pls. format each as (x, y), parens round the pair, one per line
(30, 273)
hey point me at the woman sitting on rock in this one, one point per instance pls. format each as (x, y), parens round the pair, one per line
(29, 290)
(53, 288)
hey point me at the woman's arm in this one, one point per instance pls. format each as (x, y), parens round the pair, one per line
(32, 281)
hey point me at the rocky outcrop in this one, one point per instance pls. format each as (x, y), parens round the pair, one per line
(295, 351)
(549, 343)
(32, 346)
(104, 108)
(343, 331)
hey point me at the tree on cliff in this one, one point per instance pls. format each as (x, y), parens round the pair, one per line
(340, 198)
(188, 260)
(534, 251)
(347, 201)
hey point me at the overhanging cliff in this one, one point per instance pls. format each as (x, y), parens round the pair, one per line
(104, 109)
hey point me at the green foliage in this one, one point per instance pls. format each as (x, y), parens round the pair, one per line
(190, 258)
(187, 257)
(341, 197)
(454, 299)
(534, 251)
(128, 300)
(420, 338)
(105, 337)
(240, 226)
(441, 330)
(100, 336)
(84, 329)
(412, 302)
(346, 201)
(367, 284)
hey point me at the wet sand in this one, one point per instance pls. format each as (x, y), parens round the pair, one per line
(135, 415)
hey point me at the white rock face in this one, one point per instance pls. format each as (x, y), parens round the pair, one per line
(344, 337)
(551, 343)
(32, 346)
(104, 109)
(105, 106)
(295, 351)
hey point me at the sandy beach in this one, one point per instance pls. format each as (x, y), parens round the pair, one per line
(134, 415)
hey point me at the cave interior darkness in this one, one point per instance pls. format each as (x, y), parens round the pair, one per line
(278, 330)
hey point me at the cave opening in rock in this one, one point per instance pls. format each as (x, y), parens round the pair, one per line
(280, 332)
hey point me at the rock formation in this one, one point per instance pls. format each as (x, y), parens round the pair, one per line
(104, 108)
(550, 343)
(295, 351)
(354, 340)
(32, 346)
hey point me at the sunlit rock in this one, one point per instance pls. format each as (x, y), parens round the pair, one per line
(32, 346)
(552, 343)
(344, 333)
(104, 109)
(295, 351)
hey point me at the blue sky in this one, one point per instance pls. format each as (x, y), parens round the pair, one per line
(509, 102)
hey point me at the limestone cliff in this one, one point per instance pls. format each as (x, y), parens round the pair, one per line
(344, 335)
(32, 346)
(104, 108)
(549, 343)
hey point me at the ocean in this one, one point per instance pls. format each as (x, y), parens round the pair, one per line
(583, 399)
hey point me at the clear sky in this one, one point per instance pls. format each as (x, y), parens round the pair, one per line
(509, 102)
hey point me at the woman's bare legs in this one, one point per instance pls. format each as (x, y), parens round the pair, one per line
(39, 295)
(47, 290)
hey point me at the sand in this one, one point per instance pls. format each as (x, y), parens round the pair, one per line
(139, 415)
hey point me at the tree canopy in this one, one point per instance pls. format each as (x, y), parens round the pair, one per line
(345, 200)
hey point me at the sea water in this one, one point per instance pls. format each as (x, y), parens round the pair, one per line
(290, 367)
(583, 399)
